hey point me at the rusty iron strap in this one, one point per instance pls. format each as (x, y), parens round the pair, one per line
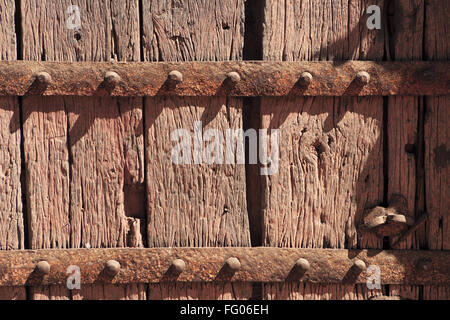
(259, 264)
(230, 78)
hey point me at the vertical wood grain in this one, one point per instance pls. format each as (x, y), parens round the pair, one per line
(331, 149)
(193, 204)
(310, 291)
(437, 138)
(81, 153)
(200, 291)
(331, 158)
(437, 143)
(11, 214)
(407, 25)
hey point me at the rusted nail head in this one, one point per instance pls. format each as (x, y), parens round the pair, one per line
(306, 78)
(363, 77)
(178, 265)
(175, 76)
(112, 78)
(234, 77)
(43, 78)
(424, 265)
(359, 265)
(43, 267)
(302, 265)
(112, 267)
(233, 264)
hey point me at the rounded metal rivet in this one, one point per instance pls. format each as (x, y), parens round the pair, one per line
(233, 264)
(112, 267)
(112, 78)
(359, 265)
(178, 265)
(234, 76)
(175, 75)
(363, 77)
(306, 78)
(43, 78)
(302, 265)
(43, 267)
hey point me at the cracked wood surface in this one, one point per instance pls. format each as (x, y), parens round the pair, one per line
(437, 136)
(80, 153)
(70, 198)
(199, 204)
(331, 149)
(405, 35)
(331, 155)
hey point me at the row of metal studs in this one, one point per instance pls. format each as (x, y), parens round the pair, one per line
(112, 267)
(112, 79)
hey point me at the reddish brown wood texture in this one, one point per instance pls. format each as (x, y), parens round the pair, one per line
(437, 138)
(89, 178)
(12, 232)
(198, 204)
(81, 154)
(405, 26)
(331, 160)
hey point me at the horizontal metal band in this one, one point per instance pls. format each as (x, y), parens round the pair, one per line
(258, 264)
(230, 78)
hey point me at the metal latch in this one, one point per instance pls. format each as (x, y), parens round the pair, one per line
(389, 221)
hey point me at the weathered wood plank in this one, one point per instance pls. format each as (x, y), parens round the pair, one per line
(49, 293)
(11, 214)
(134, 291)
(331, 154)
(47, 172)
(406, 26)
(8, 42)
(81, 153)
(331, 158)
(405, 292)
(200, 291)
(437, 138)
(317, 291)
(330, 170)
(186, 30)
(436, 292)
(193, 204)
(12, 293)
(197, 204)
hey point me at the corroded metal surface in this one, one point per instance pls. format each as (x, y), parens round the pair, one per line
(208, 264)
(255, 78)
